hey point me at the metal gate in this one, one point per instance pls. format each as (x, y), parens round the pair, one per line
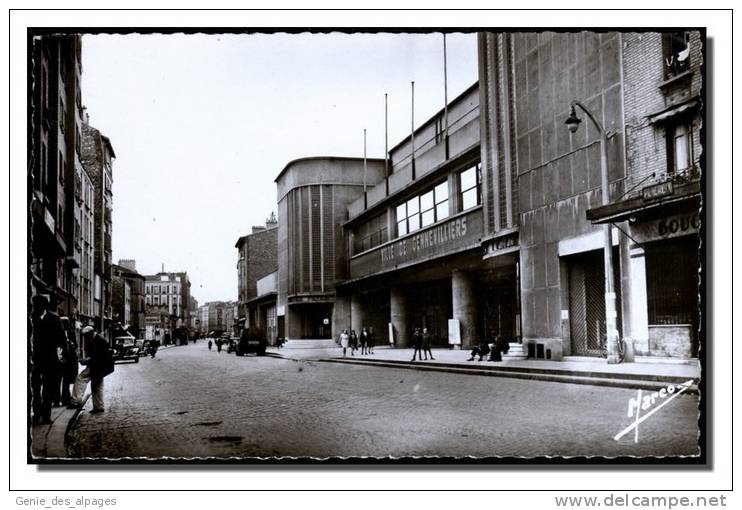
(587, 301)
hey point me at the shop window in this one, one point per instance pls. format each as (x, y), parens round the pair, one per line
(679, 148)
(470, 182)
(676, 52)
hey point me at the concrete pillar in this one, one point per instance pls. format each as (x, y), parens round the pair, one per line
(634, 296)
(465, 307)
(340, 315)
(356, 314)
(399, 312)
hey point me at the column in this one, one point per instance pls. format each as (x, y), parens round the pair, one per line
(399, 317)
(634, 297)
(356, 314)
(464, 307)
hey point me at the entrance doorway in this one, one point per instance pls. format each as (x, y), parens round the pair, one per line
(314, 320)
(587, 301)
(431, 307)
(500, 307)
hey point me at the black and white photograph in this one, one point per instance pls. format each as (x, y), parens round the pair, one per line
(408, 244)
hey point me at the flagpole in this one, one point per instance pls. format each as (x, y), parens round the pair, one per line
(412, 136)
(445, 94)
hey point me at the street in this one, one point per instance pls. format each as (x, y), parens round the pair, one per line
(191, 402)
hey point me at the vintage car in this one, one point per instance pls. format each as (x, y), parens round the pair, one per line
(126, 348)
(252, 340)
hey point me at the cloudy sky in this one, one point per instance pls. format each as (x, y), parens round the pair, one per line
(202, 124)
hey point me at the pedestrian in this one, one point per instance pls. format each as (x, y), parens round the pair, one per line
(371, 339)
(499, 347)
(364, 341)
(98, 365)
(344, 341)
(427, 340)
(353, 342)
(209, 344)
(417, 344)
(48, 342)
(481, 350)
(70, 365)
(153, 347)
(218, 345)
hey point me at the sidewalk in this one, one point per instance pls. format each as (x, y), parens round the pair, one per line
(649, 374)
(49, 441)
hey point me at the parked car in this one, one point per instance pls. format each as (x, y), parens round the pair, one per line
(252, 340)
(126, 348)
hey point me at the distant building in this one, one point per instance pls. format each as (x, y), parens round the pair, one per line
(167, 301)
(128, 297)
(218, 317)
(257, 258)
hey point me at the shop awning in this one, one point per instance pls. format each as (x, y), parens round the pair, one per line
(624, 210)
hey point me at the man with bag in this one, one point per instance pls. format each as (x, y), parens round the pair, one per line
(48, 345)
(98, 365)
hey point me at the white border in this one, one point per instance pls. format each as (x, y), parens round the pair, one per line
(29, 477)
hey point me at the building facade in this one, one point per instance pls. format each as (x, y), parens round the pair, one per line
(167, 298)
(643, 89)
(128, 297)
(62, 191)
(97, 157)
(416, 241)
(313, 197)
(257, 257)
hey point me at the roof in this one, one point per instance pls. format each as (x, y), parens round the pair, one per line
(318, 158)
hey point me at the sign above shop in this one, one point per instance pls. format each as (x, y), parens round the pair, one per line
(501, 245)
(666, 228)
(461, 232)
(657, 190)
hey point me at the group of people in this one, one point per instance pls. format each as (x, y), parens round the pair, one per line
(55, 363)
(421, 340)
(495, 349)
(350, 340)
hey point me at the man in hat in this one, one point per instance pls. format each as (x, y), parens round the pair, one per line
(98, 365)
(47, 347)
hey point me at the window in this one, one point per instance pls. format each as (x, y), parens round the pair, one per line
(679, 148)
(370, 234)
(423, 210)
(470, 181)
(60, 168)
(676, 52)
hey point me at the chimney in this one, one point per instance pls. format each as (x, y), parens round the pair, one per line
(163, 268)
(255, 229)
(128, 264)
(271, 221)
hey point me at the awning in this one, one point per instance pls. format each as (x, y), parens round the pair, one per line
(624, 210)
(674, 111)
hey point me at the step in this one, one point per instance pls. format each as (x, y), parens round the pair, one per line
(615, 382)
(490, 366)
(310, 344)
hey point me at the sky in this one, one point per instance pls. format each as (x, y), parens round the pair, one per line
(202, 124)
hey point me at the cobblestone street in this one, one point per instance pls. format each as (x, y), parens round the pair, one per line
(191, 402)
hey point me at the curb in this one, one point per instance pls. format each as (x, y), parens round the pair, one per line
(587, 379)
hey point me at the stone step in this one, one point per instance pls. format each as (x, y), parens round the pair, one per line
(323, 343)
(616, 381)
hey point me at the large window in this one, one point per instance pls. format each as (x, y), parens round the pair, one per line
(423, 210)
(679, 144)
(470, 182)
(676, 52)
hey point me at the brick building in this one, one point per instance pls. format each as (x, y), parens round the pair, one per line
(257, 258)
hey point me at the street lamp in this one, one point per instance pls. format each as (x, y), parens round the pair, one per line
(573, 123)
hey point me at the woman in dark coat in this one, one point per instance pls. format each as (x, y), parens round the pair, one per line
(427, 340)
(417, 344)
(70, 365)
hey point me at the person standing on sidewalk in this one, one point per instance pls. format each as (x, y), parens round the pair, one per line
(47, 347)
(417, 344)
(98, 365)
(209, 344)
(371, 339)
(70, 365)
(344, 341)
(364, 341)
(353, 342)
(427, 338)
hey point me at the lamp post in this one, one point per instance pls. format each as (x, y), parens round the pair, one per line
(573, 122)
